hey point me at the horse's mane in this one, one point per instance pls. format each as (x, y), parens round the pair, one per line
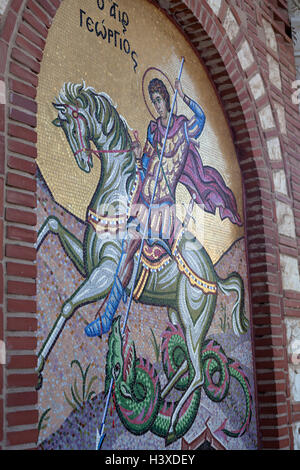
(79, 93)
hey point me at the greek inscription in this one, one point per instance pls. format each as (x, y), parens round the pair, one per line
(100, 4)
(111, 35)
(119, 15)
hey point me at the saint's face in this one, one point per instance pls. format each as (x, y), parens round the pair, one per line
(160, 105)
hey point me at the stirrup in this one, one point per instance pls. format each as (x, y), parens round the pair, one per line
(102, 325)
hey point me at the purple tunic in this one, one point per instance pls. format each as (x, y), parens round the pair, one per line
(181, 164)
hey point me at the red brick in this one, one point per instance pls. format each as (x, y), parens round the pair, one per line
(21, 380)
(22, 133)
(20, 306)
(20, 252)
(275, 432)
(276, 443)
(20, 116)
(1, 238)
(16, 5)
(20, 216)
(29, 34)
(21, 234)
(25, 59)
(21, 343)
(29, 48)
(22, 165)
(24, 417)
(2, 119)
(1, 417)
(39, 13)
(21, 148)
(1, 329)
(21, 199)
(21, 324)
(24, 74)
(9, 25)
(21, 182)
(21, 288)
(23, 102)
(269, 376)
(277, 387)
(1, 378)
(1, 197)
(1, 284)
(21, 399)
(22, 437)
(3, 56)
(56, 3)
(273, 421)
(22, 88)
(22, 362)
(21, 270)
(2, 154)
(32, 21)
(50, 9)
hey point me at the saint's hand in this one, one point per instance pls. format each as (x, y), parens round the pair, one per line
(137, 150)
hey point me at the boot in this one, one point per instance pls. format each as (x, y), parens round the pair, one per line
(102, 325)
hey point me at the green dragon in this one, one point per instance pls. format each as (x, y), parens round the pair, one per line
(140, 399)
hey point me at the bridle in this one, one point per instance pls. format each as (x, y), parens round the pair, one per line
(77, 116)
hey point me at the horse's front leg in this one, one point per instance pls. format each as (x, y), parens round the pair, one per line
(94, 288)
(72, 246)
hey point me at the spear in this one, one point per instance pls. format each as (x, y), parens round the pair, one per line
(100, 434)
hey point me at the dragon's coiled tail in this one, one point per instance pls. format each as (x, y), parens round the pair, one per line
(218, 371)
(215, 360)
(138, 393)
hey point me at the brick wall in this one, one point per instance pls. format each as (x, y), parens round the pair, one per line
(248, 52)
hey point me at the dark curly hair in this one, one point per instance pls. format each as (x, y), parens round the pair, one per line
(157, 86)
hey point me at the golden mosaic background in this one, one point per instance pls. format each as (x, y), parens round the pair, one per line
(72, 53)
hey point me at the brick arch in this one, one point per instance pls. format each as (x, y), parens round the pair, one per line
(253, 120)
(23, 38)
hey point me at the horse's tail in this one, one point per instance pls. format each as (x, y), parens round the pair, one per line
(235, 283)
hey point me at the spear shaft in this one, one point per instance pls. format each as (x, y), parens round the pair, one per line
(101, 435)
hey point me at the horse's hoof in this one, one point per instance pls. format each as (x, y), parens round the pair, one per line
(40, 364)
(39, 382)
(171, 437)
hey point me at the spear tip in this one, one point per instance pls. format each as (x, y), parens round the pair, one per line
(99, 440)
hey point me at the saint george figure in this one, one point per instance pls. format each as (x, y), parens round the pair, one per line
(181, 163)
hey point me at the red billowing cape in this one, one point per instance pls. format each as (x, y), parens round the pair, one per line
(205, 182)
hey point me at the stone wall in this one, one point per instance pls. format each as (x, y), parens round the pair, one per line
(247, 49)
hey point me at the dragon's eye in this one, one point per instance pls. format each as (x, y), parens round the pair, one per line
(75, 114)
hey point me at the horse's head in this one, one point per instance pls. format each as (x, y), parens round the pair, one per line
(73, 119)
(88, 117)
(73, 123)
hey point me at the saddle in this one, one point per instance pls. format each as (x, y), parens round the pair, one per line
(156, 255)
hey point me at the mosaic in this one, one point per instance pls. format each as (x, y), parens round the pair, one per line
(144, 337)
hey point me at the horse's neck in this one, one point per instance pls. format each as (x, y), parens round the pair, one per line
(116, 182)
(118, 170)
